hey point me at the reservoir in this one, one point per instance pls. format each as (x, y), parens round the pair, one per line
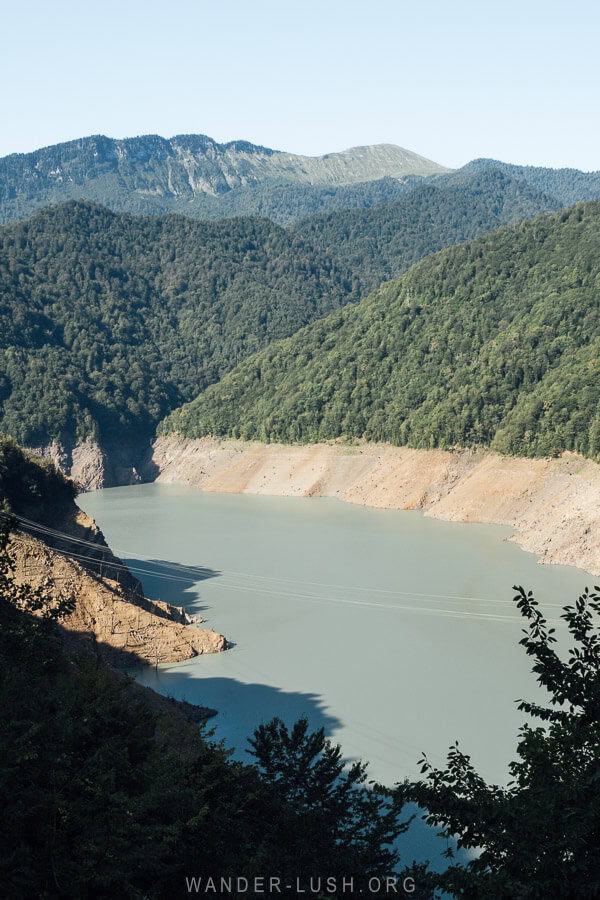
(395, 632)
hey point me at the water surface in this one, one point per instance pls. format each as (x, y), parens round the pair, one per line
(394, 631)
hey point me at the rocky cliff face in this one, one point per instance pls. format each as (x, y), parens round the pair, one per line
(93, 466)
(73, 561)
(147, 173)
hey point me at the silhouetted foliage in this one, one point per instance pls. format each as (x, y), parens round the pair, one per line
(103, 796)
(353, 823)
(28, 482)
(539, 836)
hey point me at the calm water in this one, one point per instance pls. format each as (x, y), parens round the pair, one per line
(394, 631)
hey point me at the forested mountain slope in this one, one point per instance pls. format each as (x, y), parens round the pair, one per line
(107, 322)
(186, 173)
(287, 203)
(491, 343)
(565, 186)
(385, 240)
(110, 321)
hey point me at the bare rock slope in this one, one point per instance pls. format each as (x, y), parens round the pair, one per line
(75, 563)
(157, 170)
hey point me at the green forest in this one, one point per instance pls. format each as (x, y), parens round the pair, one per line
(381, 242)
(107, 322)
(493, 343)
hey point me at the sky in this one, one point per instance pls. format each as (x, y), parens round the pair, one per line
(453, 81)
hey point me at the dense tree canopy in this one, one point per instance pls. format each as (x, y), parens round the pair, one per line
(491, 343)
(565, 186)
(109, 321)
(383, 241)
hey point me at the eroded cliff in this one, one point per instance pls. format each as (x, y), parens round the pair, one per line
(72, 561)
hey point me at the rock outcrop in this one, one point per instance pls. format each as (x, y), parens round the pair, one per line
(93, 466)
(159, 171)
(128, 628)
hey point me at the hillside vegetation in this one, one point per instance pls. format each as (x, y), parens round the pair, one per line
(385, 240)
(108, 322)
(491, 343)
(565, 186)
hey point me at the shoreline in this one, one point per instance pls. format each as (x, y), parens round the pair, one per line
(553, 505)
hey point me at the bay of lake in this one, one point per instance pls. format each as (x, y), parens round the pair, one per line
(394, 631)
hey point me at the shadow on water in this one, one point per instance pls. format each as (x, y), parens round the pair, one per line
(171, 582)
(243, 706)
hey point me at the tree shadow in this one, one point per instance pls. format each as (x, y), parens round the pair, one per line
(171, 582)
(242, 706)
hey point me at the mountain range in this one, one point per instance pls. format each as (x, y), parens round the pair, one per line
(196, 176)
(492, 343)
(110, 321)
(189, 173)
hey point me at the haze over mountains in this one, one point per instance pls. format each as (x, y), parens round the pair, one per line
(186, 173)
(196, 176)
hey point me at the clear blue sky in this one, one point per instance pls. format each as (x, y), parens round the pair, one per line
(518, 81)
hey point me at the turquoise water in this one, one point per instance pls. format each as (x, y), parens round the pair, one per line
(394, 631)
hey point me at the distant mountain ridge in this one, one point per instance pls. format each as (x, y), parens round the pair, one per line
(153, 174)
(109, 321)
(567, 186)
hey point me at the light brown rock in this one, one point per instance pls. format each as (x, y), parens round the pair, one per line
(129, 631)
(553, 504)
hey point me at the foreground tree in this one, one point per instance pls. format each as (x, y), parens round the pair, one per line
(343, 828)
(539, 836)
(104, 794)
